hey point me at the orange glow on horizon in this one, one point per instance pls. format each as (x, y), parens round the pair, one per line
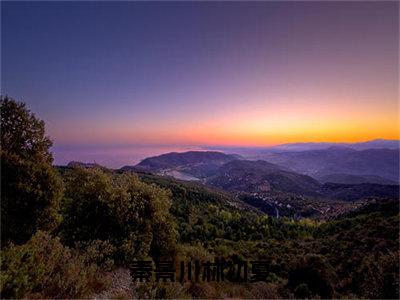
(257, 131)
(263, 123)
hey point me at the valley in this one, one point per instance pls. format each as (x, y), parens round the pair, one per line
(286, 187)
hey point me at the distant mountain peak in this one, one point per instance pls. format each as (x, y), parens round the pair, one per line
(190, 165)
(372, 144)
(175, 159)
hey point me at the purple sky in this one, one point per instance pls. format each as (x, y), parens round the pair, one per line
(103, 74)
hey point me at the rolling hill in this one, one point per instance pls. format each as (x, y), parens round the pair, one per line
(355, 179)
(289, 174)
(261, 176)
(191, 165)
(353, 192)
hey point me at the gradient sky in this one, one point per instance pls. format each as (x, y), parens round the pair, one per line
(261, 73)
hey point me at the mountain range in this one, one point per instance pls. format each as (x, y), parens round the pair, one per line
(337, 172)
(373, 144)
(379, 164)
(306, 146)
(325, 173)
(375, 161)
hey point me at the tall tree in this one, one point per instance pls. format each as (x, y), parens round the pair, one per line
(30, 187)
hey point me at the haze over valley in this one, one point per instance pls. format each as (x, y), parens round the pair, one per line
(296, 180)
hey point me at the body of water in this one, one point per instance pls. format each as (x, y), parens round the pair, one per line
(113, 156)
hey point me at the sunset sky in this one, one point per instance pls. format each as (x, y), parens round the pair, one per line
(195, 73)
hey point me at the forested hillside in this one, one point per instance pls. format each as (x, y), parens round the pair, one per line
(72, 232)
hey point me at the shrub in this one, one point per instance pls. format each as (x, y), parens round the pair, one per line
(98, 252)
(44, 268)
(312, 275)
(377, 277)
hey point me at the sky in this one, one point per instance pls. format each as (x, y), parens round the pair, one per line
(202, 73)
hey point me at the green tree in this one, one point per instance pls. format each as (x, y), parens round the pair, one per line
(132, 215)
(30, 188)
(22, 134)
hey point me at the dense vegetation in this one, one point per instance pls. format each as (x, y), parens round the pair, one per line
(119, 208)
(31, 190)
(67, 231)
